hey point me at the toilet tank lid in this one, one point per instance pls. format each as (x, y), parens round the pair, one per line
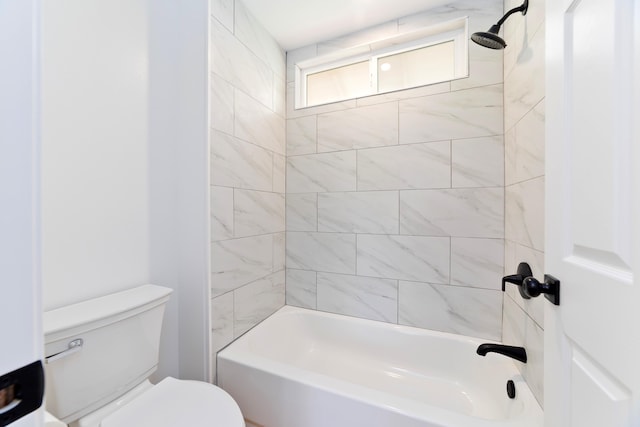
(174, 402)
(97, 312)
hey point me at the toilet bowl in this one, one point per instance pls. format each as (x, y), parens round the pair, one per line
(99, 355)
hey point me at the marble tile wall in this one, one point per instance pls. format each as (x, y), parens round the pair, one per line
(524, 111)
(247, 173)
(395, 203)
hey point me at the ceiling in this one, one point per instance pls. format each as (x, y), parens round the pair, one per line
(297, 23)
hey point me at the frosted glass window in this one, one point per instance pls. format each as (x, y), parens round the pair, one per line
(416, 67)
(430, 55)
(349, 81)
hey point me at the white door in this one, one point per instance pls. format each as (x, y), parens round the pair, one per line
(20, 317)
(592, 340)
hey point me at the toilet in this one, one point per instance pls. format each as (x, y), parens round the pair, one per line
(99, 355)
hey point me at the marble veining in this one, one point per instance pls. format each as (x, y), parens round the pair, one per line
(459, 310)
(235, 163)
(258, 124)
(363, 297)
(478, 162)
(258, 212)
(359, 212)
(477, 263)
(232, 61)
(404, 257)
(302, 212)
(221, 213)
(405, 167)
(322, 172)
(362, 127)
(301, 288)
(222, 107)
(459, 212)
(237, 262)
(455, 115)
(255, 301)
(301, 135)
(330, 252)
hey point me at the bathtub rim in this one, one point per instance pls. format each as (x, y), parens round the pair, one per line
(237, 353)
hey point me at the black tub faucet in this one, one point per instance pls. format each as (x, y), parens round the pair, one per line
(518, 353)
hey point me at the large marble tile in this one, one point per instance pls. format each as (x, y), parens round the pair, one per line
(330, 252)
(301, 288)
(455, 309)
(485, 68)
(256, 301)
(253, 35)
(322, 172)
(359, 38)
(258, 124)
(364, 297)
(526, 146)
(477, 263)
(362, 127)
(258, 212)
(222, 10)
(520, 330)
(524, 212)
(279, 251)
(477, 162)
(398, 95)
(524, 86)
(237, 262)
(404, 257)
(221, 321)
(515, 254)
(279, 173)
(373, 212)
(414, 166)
(302, 135)
(235, 63)
(221, 105)
(221, 213)
(235, 163)
(460, 212)
(302, 212)
(455, 115)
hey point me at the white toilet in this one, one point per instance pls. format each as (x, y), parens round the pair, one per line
(99, 355)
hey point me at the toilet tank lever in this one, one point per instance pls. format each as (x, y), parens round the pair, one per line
(73, 347)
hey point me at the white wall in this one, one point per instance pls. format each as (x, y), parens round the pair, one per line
(125, 161)
(95, 183)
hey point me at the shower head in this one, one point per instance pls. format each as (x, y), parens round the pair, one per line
(490, 38)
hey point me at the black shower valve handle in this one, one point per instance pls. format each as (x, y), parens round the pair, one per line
(529, 287)
(523, 272)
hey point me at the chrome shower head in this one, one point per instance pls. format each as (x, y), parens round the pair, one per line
(490, 38)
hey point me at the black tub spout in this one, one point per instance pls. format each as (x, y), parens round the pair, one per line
(518, 353)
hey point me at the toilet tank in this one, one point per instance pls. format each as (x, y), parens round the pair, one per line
(97, 350)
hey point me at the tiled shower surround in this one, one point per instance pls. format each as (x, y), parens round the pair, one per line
(396, 207)
(247, 173)
(395, 202)
(524, 171)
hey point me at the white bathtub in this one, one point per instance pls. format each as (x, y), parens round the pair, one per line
(302, 368)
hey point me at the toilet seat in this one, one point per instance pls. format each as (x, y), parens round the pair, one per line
(174, 402)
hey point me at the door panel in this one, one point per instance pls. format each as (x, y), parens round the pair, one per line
(592, 239)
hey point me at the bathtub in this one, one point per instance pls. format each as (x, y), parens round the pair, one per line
(303, 368)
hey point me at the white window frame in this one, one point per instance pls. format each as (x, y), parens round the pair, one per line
(454, 31)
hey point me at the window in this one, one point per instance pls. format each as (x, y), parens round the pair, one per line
(423, 57)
